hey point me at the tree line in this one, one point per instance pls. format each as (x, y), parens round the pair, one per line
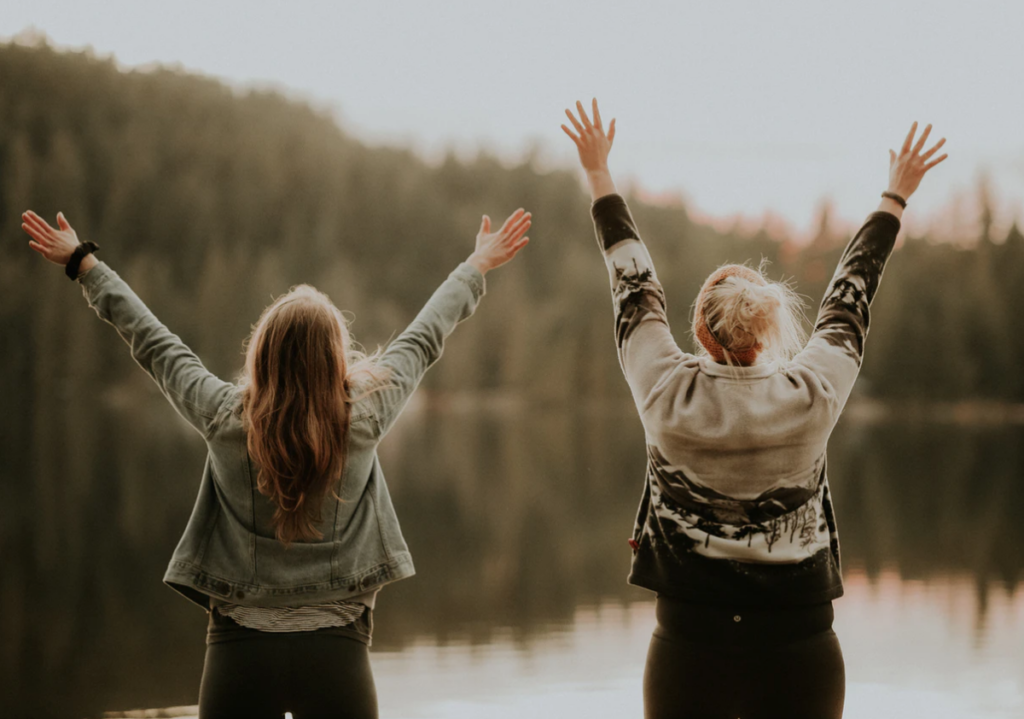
(211, 200)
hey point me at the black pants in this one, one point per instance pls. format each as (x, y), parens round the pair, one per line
(730, 663)
(251, 674)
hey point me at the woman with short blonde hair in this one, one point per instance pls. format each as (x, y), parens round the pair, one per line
(736, 531)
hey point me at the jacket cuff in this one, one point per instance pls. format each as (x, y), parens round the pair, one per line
(605, 203)
(883, 217)
(95, 278)
(472, 277)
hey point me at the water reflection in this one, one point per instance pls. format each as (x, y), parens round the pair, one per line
(518, 522)
(911, 652)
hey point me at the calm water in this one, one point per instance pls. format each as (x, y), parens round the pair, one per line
(518, 523)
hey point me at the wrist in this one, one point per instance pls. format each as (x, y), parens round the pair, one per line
(892, 207)
(600, 182)
(88, 262)
(76, 263)
(479, 263)
(902, 192)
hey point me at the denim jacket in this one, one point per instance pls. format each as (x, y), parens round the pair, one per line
(229, 549)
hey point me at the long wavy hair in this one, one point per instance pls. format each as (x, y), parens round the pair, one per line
(301, 376)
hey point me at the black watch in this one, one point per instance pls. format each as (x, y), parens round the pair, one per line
(85, 248)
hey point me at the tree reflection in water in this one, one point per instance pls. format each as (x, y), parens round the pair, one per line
(516, 521)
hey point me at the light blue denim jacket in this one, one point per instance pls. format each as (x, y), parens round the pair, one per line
(229, 549)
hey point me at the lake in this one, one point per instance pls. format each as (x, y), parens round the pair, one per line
(518, 524)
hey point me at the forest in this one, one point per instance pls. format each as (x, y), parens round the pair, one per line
(211, 200)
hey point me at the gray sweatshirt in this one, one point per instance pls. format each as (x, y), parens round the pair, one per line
(736, 506)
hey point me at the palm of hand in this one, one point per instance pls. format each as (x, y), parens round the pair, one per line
(494, 249)
(907, 169)
(592, 143)
(56, 245)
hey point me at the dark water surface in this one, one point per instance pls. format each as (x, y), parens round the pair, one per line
(518, 524)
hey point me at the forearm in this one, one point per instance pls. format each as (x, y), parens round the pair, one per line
(866, 255)
(613, 222)
(416, 349)
(423, 340)
(844, 315)
(193, 391)
(600, 183)
(645, 344)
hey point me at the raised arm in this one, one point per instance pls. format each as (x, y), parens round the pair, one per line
(647, 350)
(412, 353)
(836, 347)
(194, 392)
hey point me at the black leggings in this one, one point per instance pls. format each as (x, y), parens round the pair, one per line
(729, 663)
(250, 674)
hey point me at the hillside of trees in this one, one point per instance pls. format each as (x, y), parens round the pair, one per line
(211, 200)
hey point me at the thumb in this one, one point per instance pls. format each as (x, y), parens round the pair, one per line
(63, 223)
(485, 225)
(892, 158)
(611, 131)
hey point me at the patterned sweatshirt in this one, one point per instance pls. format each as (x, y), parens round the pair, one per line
(736, 506)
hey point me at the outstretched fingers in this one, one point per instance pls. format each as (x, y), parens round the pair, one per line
(910, 139)
(923, 138)
(575, 123)
(935, 162)
(37, 231)
(583, 115)
(597, 115)
(512, 219)
(33, 233)
(935, 147)
(37, 223)
(519, 228)
(37, 219)
(571, 134)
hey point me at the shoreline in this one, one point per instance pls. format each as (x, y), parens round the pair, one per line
(860, 409)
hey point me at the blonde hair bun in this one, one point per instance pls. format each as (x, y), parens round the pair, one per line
(742, 317)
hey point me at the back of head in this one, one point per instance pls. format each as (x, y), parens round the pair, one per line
(742, 318)
(296, 407)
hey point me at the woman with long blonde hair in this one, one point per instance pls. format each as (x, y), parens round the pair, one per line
(293, 532)
(736, 531)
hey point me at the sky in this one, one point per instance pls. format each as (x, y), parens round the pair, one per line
(748, 109)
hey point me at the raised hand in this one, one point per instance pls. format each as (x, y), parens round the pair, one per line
(54, 244)
(907, 168)
(494, 249)
(592, 143)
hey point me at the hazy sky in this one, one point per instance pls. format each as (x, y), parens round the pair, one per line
(742, 106)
